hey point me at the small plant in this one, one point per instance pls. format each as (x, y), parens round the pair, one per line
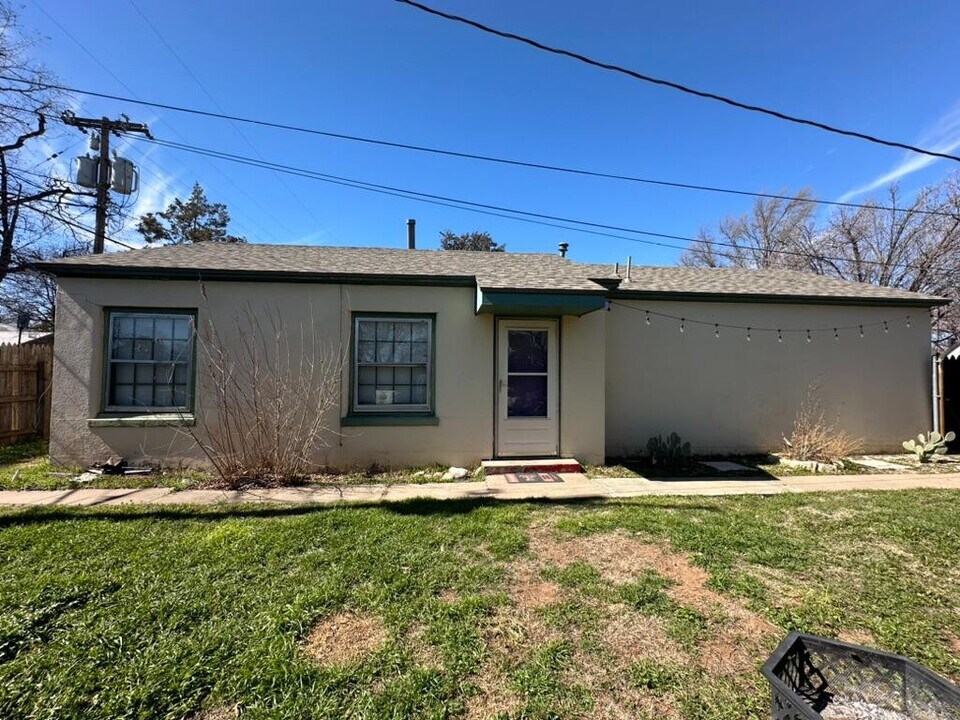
(669, 453)
(814, 438)
(927, 448)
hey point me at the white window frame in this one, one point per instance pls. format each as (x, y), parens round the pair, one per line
(109, 361)
(356, 365)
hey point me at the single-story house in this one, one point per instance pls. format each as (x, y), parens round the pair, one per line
(454, 356)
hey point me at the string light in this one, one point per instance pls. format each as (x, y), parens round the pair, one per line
(859, 328)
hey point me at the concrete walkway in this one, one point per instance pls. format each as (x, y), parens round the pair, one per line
(574, 486)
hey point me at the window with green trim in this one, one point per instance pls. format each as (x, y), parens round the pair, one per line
(150, 358)
(392, 357)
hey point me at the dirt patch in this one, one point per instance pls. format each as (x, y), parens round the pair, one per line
(629, 636)
(220, 713)
(344, 638)
(857, 636)
(425, 653)
(953, 642)
(449, 596)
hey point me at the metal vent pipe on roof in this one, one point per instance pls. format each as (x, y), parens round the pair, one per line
(411, 234)
(563, 247)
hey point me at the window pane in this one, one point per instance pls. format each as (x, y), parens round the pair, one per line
(122, 349)
(183, 328)
(419, 352)
(365, 352)
(181, 374)
(526, 351)
(143, 349)
(163, 329)
(384, 331)
(419, 375)
(418, 331)
(143, 327)
(144, 374)
(180, 395)
(527, 396)
(366, 394)
(401, 352)
(402, 395)
(367, 376)
(122, 395)
(123, 327)
(143, 395)
(162, 349)
(123, 372)
(384, 376)
(418, 394)
(402, 331)
(402, 375)
(368, 330)
(164, 395)
(384, 352)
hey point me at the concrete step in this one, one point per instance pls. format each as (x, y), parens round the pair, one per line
(555, 465)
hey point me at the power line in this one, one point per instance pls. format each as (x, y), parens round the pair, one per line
(106, 68)
(674, 85)
(486, 208)
(480, 157)
(80, 226)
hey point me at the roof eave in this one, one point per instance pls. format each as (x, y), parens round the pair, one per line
(920, 301)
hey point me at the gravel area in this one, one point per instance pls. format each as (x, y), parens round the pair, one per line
(859, 710)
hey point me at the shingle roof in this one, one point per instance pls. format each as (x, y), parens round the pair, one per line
(652, 280)
(507, 271)
(492, 271)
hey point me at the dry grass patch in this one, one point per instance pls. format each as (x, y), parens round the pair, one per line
(221, 713)
(344, 638)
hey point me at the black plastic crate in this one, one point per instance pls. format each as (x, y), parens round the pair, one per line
(810, 675)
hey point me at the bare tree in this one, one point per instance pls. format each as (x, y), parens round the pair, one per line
(912, 244)
(776, 234)
(271, 391)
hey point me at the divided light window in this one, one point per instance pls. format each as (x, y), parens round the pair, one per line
(150, 361)
(392, 359)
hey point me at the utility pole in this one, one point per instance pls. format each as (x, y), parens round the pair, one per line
(103, 178)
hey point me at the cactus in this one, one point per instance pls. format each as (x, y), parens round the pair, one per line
(927, 448)
(669, 453)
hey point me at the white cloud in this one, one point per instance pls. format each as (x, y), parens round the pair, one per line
(943, 137)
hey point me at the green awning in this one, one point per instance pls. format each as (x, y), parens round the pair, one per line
(538, 304)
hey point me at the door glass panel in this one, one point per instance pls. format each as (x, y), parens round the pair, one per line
(526, 351)
(527, 396)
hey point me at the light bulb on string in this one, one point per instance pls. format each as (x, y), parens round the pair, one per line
(886, 328)
(836, 334)
(908, 321)
(682, 324)
(779, 336)
(809, 339)
(861, 331)
(648, 317)
(748, 334)
(716, 330)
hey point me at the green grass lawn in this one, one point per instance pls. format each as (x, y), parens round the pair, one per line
(648, 608)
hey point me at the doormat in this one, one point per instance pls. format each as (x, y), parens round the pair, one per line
(534, 477)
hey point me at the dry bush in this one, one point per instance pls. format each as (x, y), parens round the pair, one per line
(815, 438)
(268, 394)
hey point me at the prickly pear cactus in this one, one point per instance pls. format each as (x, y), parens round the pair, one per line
(926, 448)
(669, 453)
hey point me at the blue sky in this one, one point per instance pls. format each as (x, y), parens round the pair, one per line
(377, 68)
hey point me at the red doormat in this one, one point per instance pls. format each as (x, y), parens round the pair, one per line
(534, 477)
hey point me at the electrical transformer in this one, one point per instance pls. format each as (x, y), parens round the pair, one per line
(126, 178)
(87, 171)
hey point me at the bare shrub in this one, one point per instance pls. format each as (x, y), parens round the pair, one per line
(268, 393)
(813, 437)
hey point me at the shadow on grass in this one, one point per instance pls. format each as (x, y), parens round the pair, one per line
(15, 517)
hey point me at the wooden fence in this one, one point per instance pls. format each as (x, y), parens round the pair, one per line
(25, 373)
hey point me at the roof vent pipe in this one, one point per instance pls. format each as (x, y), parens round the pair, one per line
(629, 266)
(411, 234)
(563, 248)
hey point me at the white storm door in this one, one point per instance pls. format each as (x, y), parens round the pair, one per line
(528, 388)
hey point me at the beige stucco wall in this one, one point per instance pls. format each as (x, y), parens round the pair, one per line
(728, 395)
(464, 370)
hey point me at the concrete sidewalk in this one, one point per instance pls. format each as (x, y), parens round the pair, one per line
(574, 486)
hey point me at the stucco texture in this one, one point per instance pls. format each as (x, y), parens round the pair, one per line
(728, 395)
(464, 368)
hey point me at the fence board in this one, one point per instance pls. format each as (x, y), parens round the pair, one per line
(25, 375)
